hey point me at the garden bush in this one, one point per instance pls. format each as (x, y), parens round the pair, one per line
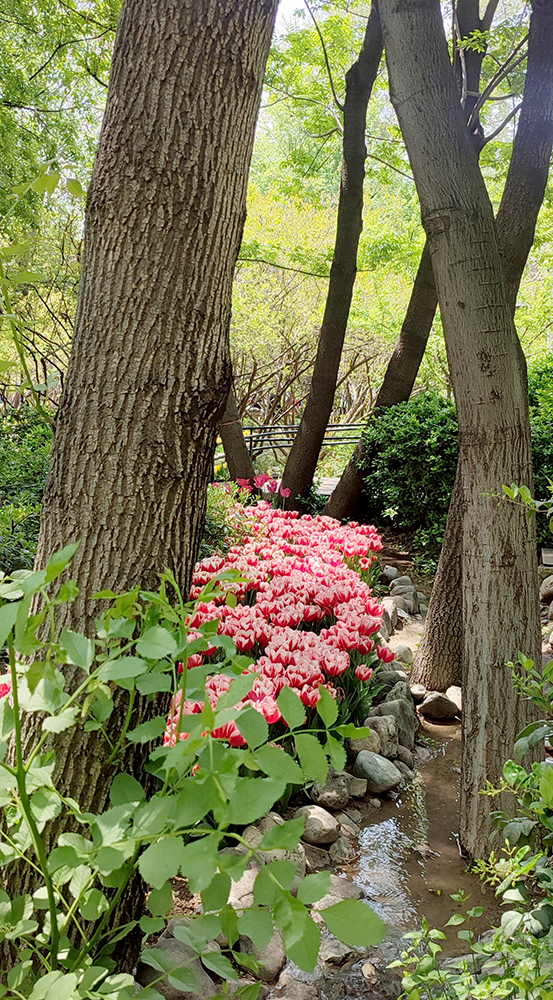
(413, 450)
(25, 444)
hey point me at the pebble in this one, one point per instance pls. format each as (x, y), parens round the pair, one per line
(320, 826)
(380, 773)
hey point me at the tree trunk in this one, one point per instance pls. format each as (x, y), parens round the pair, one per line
(238, 458)
(489, 380)
(149, 371)
(516, 223)
(304, 454)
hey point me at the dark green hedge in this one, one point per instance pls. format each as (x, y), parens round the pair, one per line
(25, 445)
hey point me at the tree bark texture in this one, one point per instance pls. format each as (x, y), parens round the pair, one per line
(238, 458)
(489, 379)
(149, 371)
(304, 454)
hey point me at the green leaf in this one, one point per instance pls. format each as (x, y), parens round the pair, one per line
(455, 919)
(285, 837)
(291, 708)
(252, 798)
(327, 707)
(8, 615)
(194, 801)
(160, 900)
(253, 727)
(74, 187)
(156, 643)
(148, 731)
(57, 563)
(161, 860)
(125, 788)
(151, 925)
(185, 980)
(216, 894)
(312, 757)
(265, 889)
(314, 887)
(354, 923)
(154, 683)
(300, 935)
(236, 692)
(123, 670)
(199, 863)
(352, 732)
(220, 964)
(94, 905)
(80, 880)
(64, 720)
(336, 753)
(279, 764)
(109, 860)
(46, 804)
(78, 648)
(257, 925)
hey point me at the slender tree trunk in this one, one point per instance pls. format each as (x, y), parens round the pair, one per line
(149, 371)
(516, 222)
(304, 454)
(489, 379)
(238, 458)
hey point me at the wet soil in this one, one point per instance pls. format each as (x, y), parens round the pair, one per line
(409, 860)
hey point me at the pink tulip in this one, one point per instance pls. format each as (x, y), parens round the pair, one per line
(272, 485)
(261, 479)
(243, 482)
(285, 492)
(363, 673)
(385, 654)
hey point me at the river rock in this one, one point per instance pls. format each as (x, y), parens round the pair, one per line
(271, 959)
(406, 719)
(349, 828)
(179, 954)
(402, 581)
(438, 706)
(387, 679)
(341, 850)
(388, 574)
(386, 727)
(320, 826)
(380, 773)
(334, 794)
(254, 835)
(405, 756)
(418, 692)
(316, 858)
(400, 690)
(455, 695)
(334, 952)
(294, 989)
(403, 604)
(407, 772)
(339, 889)
(389, 606)
(546, 590)
(357, 786)
(370, 742)
(404, 653)
(241, 892)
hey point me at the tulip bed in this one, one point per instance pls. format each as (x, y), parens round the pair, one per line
(302, 609)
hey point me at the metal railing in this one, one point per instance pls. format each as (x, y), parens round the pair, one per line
(265, 437)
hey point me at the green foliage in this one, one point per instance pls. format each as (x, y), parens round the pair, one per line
(222, 528)
(25, 443)
(65, 932)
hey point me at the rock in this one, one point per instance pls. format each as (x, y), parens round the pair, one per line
(404, 604)
(406, 720)
(333, 952)
(271, 959)
(455, 695)
(340, 888)
(409, 594)
(546, 590)
(407, 772)
(404, 653)
(341, 850)
(402, 581)
(423, 608)
(241, 892)
(438, 706)
(254, 835)
(354, 814)
(544, 572)
(400, 690)
(320, 826)
(402, 616)
(349, 828)
(418, 692)
(405, 756)
(371, 742)
(380, 773)
(316, 858)
(423, 753)
(550, 612)
(386, 727)
(386, 629)
(357, 786)
(387, 679)
(388, 574)
(389, 606)
(293, 989)
(334, 794)
(179, 955)
(374, 803)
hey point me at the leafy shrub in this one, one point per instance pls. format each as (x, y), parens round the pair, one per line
(413, 450)
(25, 444)
(65, 934)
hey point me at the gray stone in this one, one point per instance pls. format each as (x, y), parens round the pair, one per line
(406, 720)
(386, 727)
(386, 679)
(400, 690)
(334, 952)
(271, 959)
(389, 606)
(354, 814)
(423, 753)
(386, 629)
(423, 608)
(455, 695)
(320, 826)
(437, 706)
(546, 590)
(349, 828)
(544, 572)
(316, 858)
(404, 653)
(409, 594)
(388, 574)
(341, 850)
(340, 888)
(371, 742)
(402, 581)
(294, 989)
(405, 756)
(179, 954)
(404, 604)
(406, 771)
(334, 794)
(241, 892)
(402, 616)
(357, 786)
(418, 692)
(380, 773)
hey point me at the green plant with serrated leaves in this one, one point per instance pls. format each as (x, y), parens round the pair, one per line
(64, 929)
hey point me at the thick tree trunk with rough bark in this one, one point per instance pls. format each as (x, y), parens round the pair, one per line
(489, 379)
(238, 458)
(304, 454)
(149, 372)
